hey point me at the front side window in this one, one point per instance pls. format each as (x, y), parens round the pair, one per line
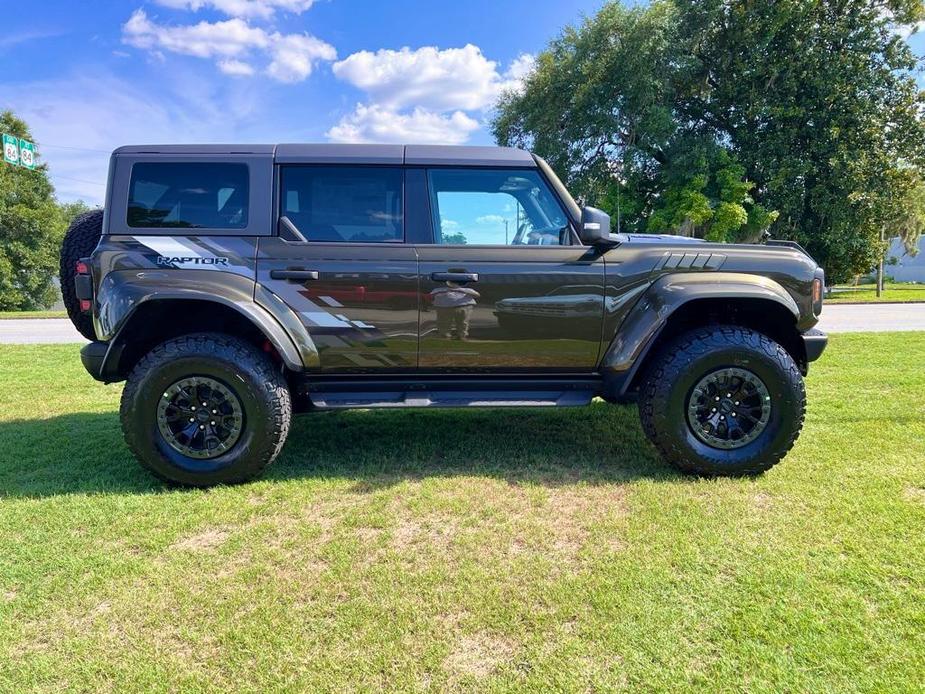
(188, 196)
(495, 207)
(360, 204)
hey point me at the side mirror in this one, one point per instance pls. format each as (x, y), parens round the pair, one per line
(595, 226)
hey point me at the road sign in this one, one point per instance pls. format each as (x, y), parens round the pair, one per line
(10, 149)
(27, 154)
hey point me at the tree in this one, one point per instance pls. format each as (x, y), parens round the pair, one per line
(722, 118)
(31, 228)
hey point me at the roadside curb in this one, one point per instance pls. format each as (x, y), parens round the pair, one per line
(873, 303)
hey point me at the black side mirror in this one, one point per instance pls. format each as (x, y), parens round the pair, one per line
(595, 226)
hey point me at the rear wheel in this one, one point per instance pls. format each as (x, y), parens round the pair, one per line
(723, 401)
(205, 409)
(80, 240)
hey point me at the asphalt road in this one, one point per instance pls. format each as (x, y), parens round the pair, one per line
(835, 319)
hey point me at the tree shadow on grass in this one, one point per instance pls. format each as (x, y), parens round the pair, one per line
(85, 453)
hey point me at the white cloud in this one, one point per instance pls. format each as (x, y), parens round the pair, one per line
(423, 95)
(235, 68)
(519, 70)
(490, 219)
(248, 9)
(291, 56)
(78, 119)
(377, 123)
(295, 54)
(907, 30)
(439, 80)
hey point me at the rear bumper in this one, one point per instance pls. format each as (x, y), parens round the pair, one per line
(814, 343)
(93, 356)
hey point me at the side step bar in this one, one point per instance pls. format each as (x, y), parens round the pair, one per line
(451, 398)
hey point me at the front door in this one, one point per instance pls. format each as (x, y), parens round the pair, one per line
(353, 282)
(502, 287)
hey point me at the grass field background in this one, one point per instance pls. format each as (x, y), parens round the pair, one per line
(15, 315)
(499, 550)
(867, 293)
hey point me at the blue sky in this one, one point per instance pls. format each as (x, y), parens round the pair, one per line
(89, 76)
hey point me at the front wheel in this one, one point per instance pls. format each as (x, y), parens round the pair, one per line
(205, 409)
(723, 400)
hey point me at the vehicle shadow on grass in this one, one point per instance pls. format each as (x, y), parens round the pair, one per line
(85, 453)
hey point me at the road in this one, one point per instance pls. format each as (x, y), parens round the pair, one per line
(851, 318)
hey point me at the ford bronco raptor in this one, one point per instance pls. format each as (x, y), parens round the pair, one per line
(230, 286)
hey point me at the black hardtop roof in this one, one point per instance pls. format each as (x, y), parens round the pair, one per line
(422, 155)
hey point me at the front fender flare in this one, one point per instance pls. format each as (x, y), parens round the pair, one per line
(648, 317)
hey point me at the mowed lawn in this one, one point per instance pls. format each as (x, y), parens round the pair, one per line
(867, 293)
(458, 550)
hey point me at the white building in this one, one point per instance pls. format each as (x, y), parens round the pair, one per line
(908, 268)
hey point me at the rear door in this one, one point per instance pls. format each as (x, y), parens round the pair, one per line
(504, 285)
(353, 281)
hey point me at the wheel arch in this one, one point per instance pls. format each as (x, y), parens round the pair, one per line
(157, 318)
(679, 303)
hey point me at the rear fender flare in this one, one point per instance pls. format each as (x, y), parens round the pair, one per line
(122, 293)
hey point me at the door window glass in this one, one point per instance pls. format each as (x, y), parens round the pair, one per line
(334, 203)
(495, 207)
(188, 195)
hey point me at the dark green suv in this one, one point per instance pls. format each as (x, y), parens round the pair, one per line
(230, 286)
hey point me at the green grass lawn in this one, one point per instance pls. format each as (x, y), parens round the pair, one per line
(8, 315)
(867, 293)
(492, 550)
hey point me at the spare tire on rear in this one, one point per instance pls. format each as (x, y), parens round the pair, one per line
(79, 242)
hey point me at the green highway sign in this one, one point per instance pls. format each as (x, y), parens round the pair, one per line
(10, 149)
(27, 154)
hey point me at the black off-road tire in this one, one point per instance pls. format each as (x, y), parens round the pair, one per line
(80, 241)
(676, 370)
(248, 373)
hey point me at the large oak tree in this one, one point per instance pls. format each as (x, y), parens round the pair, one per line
(724, 118)
(32, 225)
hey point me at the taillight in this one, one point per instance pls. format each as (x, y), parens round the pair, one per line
(83, 285)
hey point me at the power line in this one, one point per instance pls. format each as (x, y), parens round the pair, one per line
(69, 178)
(79, 180)
(76, 149)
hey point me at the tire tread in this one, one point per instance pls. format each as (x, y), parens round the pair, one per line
(227, 348)
(670, 364)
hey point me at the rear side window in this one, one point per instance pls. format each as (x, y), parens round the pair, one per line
(188, 196)
(362, 204)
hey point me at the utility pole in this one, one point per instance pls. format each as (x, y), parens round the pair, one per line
(880, 266)
(619, 186)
